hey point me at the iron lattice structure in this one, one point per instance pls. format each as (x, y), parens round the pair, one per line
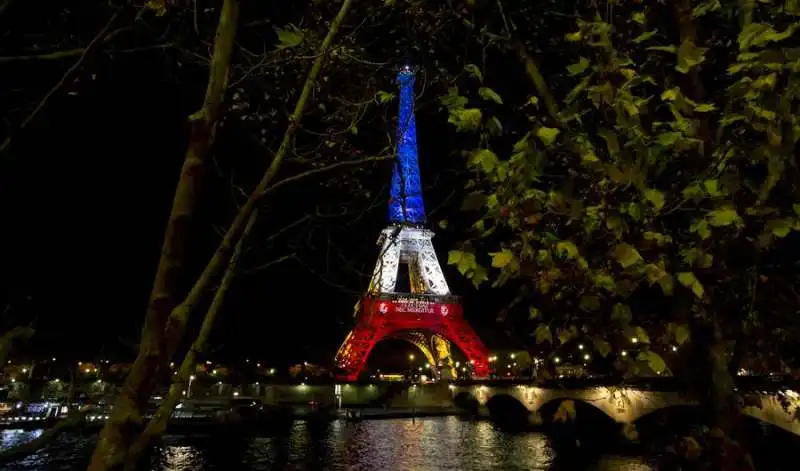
(428, 315)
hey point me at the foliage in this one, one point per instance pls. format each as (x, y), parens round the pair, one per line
(660, 194)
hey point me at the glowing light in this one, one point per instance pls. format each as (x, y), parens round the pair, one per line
(24, 370)
(586, 357)
(580, 346)
(635, 340)
(405, 200)
(674, 348)
(512, 356)
(624, 353)
(557, 360)
(411, 357)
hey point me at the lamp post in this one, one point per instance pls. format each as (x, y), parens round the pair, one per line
(189, 386)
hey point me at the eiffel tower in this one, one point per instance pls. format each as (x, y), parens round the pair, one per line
(428, 316)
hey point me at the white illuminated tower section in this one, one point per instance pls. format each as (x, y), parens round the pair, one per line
(406, 239)
(425, 313)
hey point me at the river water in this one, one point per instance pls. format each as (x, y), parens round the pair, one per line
(442, 443)
(446, 443)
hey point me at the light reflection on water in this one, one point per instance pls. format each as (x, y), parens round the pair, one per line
(403, 444)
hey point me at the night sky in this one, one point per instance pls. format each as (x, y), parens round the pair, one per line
(85, 192)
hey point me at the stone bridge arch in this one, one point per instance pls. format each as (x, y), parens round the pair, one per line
(628, 405)
(624, 405)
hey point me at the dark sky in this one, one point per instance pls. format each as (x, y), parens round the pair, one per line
(84, 197)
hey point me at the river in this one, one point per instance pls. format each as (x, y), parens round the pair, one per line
(445, 443)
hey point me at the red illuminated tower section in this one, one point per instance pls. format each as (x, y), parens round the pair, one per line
(406, 244)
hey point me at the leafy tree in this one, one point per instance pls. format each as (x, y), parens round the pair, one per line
(652, 197)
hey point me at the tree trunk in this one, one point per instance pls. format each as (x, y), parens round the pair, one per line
(715, 388)
(153, 357)
(158, 424)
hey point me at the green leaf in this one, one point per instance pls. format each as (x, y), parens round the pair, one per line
(494, 126)
(502, 259)
(671, 49)
(688, 280)
(723, 217)
(639, 17)
(467, 119)
(701, 228)
(475, 71)
(547, 135)
(534, 313)
(660, 239)
(602, 347)
(681, 333)
(478, 275)
(567, 248)
(605, 281)
(543, 334)
(490, 95)
(641, 335)
(761, 34)
(689, 55)
(384, 97)
(706, 7)
(626, 255)
(454, 256)
(578, 67)
(158, 7)
(645, 36)
(573, 37)
(289, 37)
(705, 108)
(654, 361)
(485, 159)
(655, 197)
(464, 261)
(780, 227)
(671, 94)
(589, 303)
(443, 224)
(621, 313)
(796, 208)
(712, 187)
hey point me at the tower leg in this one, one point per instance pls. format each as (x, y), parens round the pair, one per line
(384, 276)
(430, 269)
(352, 355)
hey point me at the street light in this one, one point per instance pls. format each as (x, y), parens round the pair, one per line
(189, 387)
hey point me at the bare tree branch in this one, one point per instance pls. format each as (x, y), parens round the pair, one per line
(61, 82)
(325, 169)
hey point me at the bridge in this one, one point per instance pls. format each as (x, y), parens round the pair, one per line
(626, 403)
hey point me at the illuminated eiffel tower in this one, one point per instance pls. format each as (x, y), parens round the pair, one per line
(428, 316)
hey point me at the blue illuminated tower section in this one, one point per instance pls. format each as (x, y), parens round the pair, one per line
(406, 206)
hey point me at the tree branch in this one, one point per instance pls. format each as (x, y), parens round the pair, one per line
(330, 167)
(269, 264)
(7, 142)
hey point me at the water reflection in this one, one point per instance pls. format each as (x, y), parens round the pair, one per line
(420, 445)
